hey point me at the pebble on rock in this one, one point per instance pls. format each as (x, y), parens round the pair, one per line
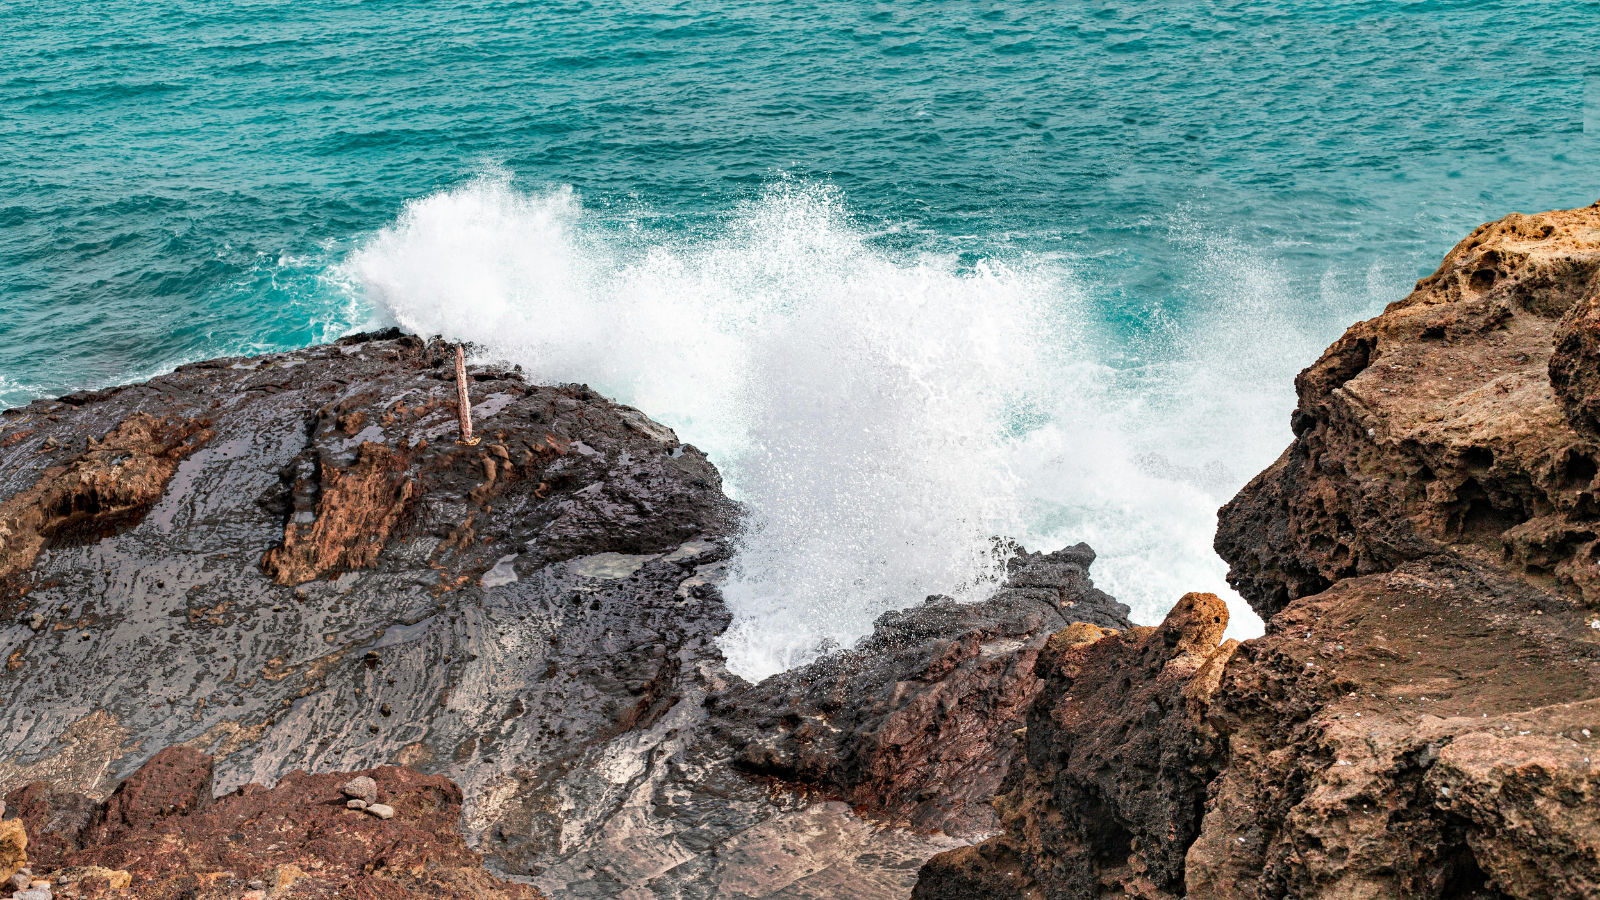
(19, 882)
(361, 787)
(381, 810)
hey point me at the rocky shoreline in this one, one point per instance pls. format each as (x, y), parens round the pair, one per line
(1421, 717)
(227, 577)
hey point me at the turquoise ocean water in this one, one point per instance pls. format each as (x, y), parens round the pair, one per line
(914, 274)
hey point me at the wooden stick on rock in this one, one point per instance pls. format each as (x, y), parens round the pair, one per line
(463, 403)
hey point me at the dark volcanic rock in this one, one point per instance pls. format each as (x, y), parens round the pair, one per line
(330, 582)
(1113, 780)
(919, 721)
(161, 835)
(287, 563)
(1420, 718)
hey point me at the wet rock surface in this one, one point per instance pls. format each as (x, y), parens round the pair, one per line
(1420, 718)
(919, 721)
(1118, 756)
(305, 572)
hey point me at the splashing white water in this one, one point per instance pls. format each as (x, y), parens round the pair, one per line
(884, 417)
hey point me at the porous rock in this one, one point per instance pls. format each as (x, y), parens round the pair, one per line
(1419, 719)
(13, 847)
(1428, 543)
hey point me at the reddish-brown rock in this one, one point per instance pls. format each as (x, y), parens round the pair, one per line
(161, 836)
(919, 724)
(1420, 719)
(56, 822)
(109, 484)
(1118, 756)
(173, 783)
(356, 508)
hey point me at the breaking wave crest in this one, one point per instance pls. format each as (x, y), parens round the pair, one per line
(882, 415)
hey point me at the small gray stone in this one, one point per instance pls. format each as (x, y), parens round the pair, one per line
(381, 810)
(361, 787)
(19, 882)
(355, 803)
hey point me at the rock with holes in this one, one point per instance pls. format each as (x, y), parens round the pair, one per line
(1420, 718)
(1444, 424)
(1417, 720)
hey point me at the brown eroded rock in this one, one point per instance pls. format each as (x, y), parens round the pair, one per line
(1417, 721)
(1435, 427)
(151, 839)
(13, 847)
(1343, 724)
(1118, 756)
(110, 484)
(355, 510)
(919, 722)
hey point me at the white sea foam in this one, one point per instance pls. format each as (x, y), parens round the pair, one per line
(883, 416)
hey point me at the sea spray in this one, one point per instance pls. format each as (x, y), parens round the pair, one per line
(883, 416)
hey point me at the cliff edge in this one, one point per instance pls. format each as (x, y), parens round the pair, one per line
(1421, 717)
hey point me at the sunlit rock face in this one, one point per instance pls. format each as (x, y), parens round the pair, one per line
(1419, 719)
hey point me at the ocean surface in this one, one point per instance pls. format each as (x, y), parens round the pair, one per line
(915, 275)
